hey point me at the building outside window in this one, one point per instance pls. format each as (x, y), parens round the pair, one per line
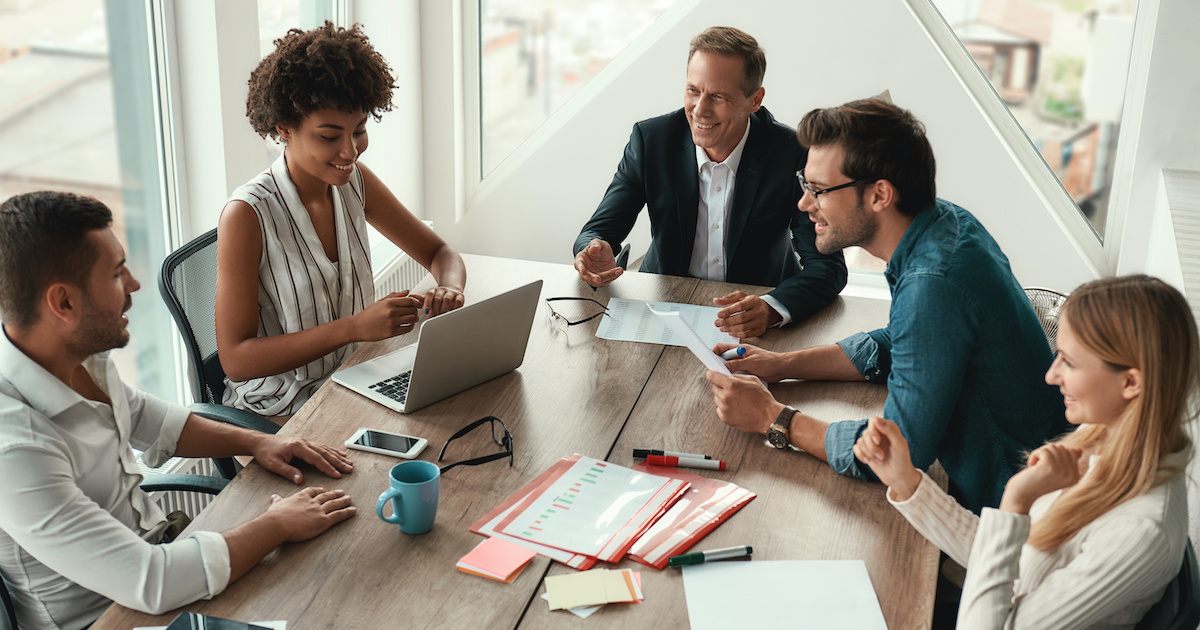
(78, 114)
(1061, 67)
(536, 54)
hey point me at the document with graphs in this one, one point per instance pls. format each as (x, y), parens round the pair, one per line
(631, 320)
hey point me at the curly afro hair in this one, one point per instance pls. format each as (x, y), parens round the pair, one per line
(326, 68)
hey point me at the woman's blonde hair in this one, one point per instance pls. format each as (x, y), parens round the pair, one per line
(1128, 322)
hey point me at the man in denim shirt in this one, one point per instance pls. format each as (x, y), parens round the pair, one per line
(963, 353)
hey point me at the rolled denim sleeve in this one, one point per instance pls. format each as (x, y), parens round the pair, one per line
(923, 355)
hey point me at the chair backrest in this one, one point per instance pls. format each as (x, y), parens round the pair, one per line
(8, 621)
(188, 284)
(1179, 608)
(1047, 303)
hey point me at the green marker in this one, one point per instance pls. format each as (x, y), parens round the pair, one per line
(711, 556)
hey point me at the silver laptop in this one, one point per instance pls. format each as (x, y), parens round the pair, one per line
(455, 351)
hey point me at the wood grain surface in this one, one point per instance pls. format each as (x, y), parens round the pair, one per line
(574, 393)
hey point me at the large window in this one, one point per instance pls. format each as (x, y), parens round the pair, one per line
(1060, 66)
(78, 113)
(536, 54)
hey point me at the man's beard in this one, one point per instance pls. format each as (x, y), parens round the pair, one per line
(859, 230)
(98, 332)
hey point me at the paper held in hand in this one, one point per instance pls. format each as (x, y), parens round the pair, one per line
(684, 333)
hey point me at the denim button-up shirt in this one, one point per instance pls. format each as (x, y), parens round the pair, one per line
(964, 359)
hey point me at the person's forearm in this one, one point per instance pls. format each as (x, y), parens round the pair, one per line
(448, 269)
(257, 357)
(822, 363)
(251, 542)
(808, 434)
(202, 437)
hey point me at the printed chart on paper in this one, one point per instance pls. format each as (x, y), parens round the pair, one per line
(630, 320)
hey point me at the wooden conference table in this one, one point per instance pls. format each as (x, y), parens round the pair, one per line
(575, 393)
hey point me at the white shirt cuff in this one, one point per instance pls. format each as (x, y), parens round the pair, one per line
(174, 417)
(785, 316)
(214, 554)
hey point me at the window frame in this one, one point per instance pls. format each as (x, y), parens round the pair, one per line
(1101, 255)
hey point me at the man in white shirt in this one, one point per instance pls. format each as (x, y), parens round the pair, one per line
(76, 531)
(718, 179)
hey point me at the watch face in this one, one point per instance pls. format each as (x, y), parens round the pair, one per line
(777, 438)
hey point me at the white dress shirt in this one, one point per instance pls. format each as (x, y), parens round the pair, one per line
(1106, 576)
(76, 531)
(717, 179)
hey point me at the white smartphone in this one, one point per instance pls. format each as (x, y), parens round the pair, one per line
(385, 443)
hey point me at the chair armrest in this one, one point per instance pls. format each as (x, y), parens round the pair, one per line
(236, 417)
(187, 483)
(623, 256)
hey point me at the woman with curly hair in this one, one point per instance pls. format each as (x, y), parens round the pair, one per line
(1092, 531)
(295, 290)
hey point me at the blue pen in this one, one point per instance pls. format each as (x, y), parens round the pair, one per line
(733, 353)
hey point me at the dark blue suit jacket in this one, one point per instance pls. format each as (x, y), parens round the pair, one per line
(770, 242)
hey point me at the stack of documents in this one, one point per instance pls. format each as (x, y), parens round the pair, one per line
(497, 559)
(707, 504)
(583, 510)
(592, 589)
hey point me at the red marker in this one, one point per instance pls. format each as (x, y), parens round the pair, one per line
(685, 462)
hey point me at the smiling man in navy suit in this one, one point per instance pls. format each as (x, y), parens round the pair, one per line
(718, 178)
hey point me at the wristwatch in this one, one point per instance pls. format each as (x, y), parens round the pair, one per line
(777, 435)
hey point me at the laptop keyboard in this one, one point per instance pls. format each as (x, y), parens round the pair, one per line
(395, 388)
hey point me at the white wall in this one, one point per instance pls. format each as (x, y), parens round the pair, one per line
(550, 189)
(1168, 137)
(219, 151)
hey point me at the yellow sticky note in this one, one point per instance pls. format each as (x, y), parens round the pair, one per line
(573, 590)
(588, 588)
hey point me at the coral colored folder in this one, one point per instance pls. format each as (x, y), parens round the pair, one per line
(495, 521)
(487, 525)
(707, 503)
(637, 525)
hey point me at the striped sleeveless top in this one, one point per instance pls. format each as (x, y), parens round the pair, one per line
(298, 286)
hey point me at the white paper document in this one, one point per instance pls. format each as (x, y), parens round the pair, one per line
(820, 594)
(674, 323)
(631, 320)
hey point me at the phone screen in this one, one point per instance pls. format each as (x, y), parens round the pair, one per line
(386, 441)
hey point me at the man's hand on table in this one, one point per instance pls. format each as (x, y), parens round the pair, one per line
(744, 315)
(310, 512)
(596, 264)
(276, 452)
(743, 403)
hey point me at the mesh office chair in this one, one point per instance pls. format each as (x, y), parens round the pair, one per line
(1179, 608)
(188, 284)
(158, 483)
(1047, 303)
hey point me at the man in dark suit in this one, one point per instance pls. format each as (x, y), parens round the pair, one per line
(718, 178)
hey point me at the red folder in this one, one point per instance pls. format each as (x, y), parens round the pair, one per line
(706, 504)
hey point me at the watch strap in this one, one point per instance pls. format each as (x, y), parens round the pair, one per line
(777, 434)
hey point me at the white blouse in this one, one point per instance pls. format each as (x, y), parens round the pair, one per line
(1106, 576)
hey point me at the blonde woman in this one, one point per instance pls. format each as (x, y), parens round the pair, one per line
(1092, 531)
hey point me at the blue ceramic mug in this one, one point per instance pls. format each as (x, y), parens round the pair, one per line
(413, 495)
